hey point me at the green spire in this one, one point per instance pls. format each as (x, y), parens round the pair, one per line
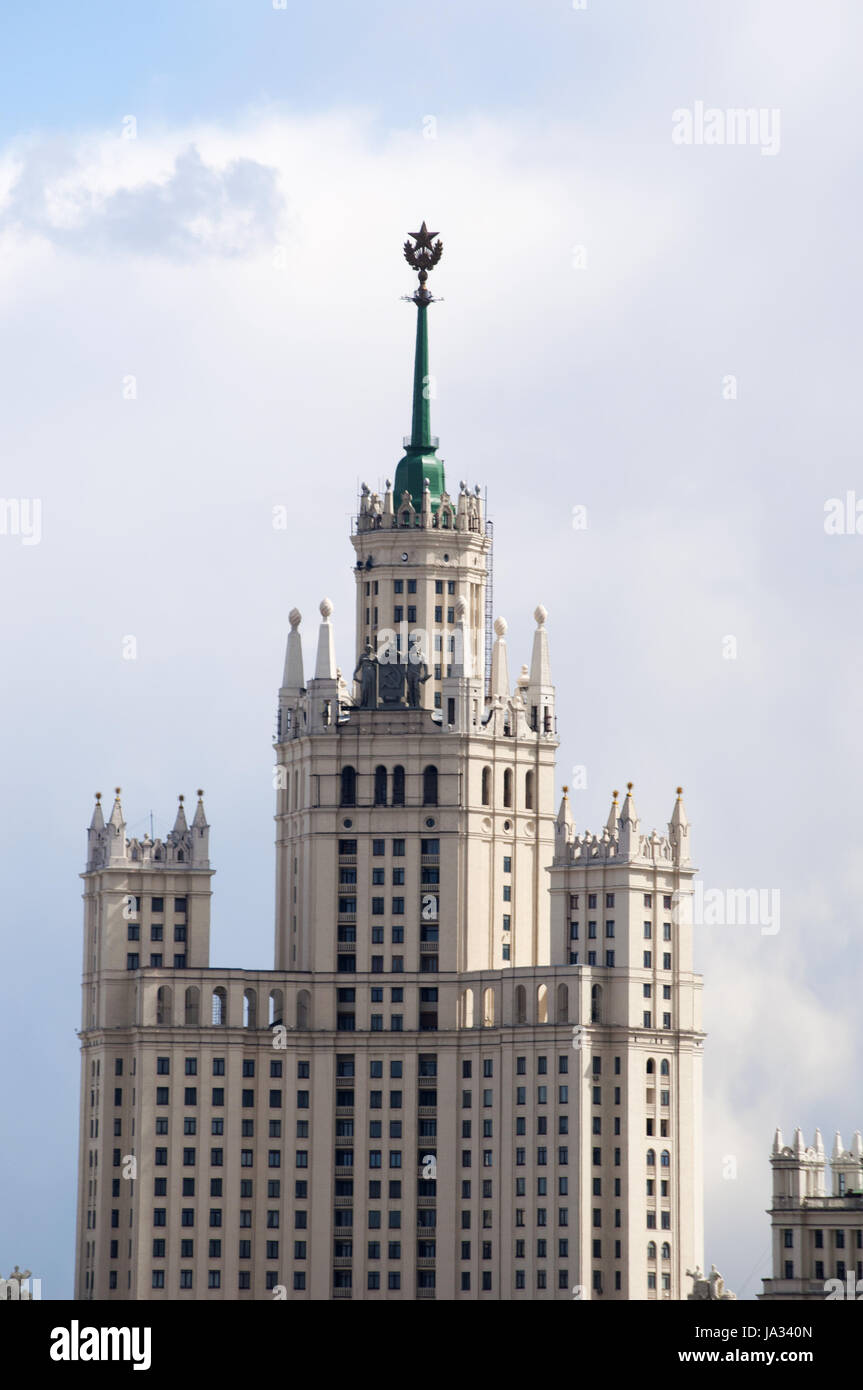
(421, 419)
(420, 461)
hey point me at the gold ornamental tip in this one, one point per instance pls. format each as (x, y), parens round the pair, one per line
(200, 792)
(117, 791)
(565, 791)
(98, 796)
(679, 791)
(629, 786)
(181, 797)
(615, 794)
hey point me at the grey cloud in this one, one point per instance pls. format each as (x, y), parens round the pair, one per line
(199, 210)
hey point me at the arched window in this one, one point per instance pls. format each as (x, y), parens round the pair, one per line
(193, 1006)
(562, 1004)
(488, 1008)
(304, 1009)
(430, 786)
(398, 786)
(467, 1009)
(651, 1066)
(507, 786)
(666, 1251)
(520, 1004)
(665, 1160)
(277, 1007)
(486, 786)
(349, 786)
(163, 1005)
(380, 785)
(596, 1004)
(542, 1004)
(651, 1158)
(663, 1066)
(250, 1009)
(651, 1249)
(528, 791)
(220, 1007)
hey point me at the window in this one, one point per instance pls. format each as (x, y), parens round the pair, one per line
(486, 786)
(398, 786)
(430, 786)
(507, 786)
(349, 786)
(380, 786)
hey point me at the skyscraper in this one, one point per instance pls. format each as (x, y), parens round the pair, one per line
(475, 1070)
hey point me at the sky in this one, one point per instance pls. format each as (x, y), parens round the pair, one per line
(202, 208)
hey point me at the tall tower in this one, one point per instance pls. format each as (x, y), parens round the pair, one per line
(474, 1071)
(419, 549)
(419, 750)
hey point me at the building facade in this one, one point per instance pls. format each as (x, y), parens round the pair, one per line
(817, 1234)
(475, 1069)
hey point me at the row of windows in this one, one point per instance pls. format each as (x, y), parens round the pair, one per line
(840, 1269)
(529, 784)
(133, 961)
(348, 795)
(609, 930)
(190, 1097)
(163, 1067)
(428, 847)
(398, 586)
(818, 1241)
(157, 905)
(214, 1279)
(156, 932)
(574, 899)
(574, 959)
(427, 1066)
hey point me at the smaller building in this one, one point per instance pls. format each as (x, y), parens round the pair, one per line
(817, 1233)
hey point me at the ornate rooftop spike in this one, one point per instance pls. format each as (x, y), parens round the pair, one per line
(421, 464)
(423, 256)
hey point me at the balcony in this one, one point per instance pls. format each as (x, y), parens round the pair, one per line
(429, 948)
(343, 946)
(426, 1232)
(348, 916)
(344, 1112)
(428, 861)
(343, 1261)
(345, 1172)
(343, 1201)
(347, 859)
(425, 1293)
(427, 1081)
(425, 1263)
(342, 1293)
(427, 1202)
(427, 1112)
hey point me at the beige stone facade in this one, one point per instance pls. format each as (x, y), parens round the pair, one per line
(817, 1235)
(475, 1070)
